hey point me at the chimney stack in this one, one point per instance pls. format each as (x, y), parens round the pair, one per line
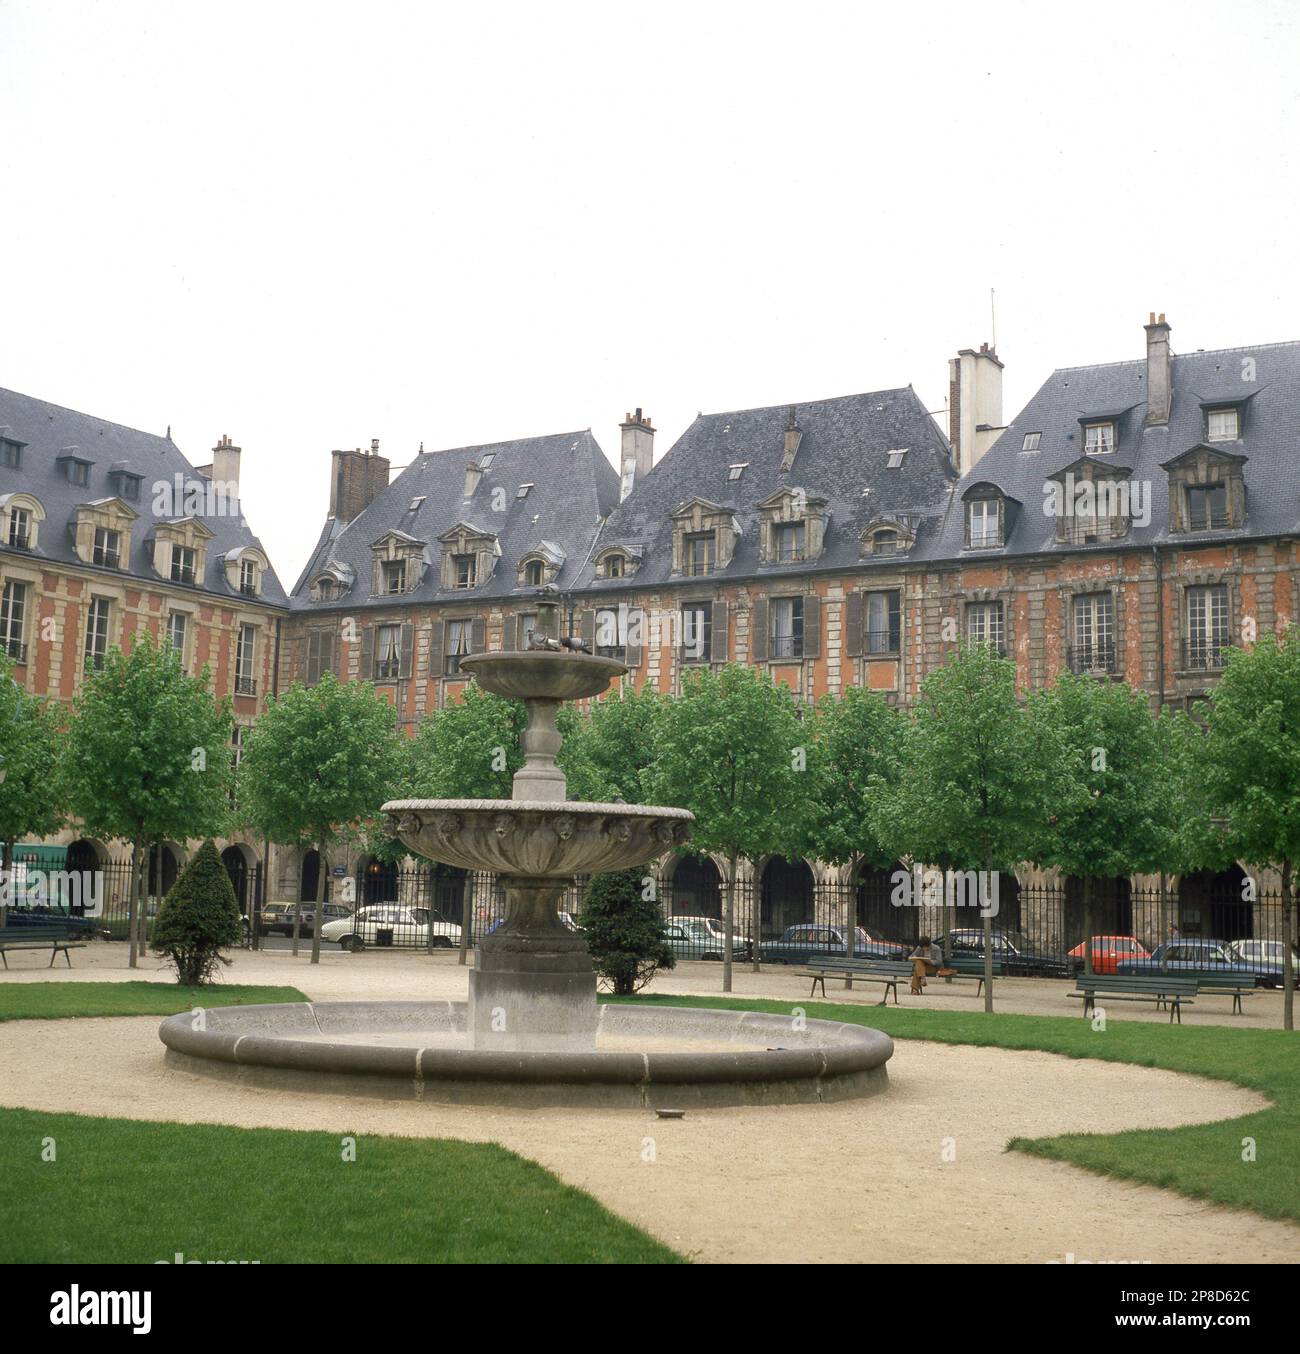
(472, 476)
(225, 467)
(358, 478)
(974, 404)
(1160, 371)
(637, 458)
(790, 443)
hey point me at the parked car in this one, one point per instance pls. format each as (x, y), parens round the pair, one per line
(808, 941)
(277, 918)
(391, 924)
(1108, 952)
(1012, 953)
(705, 938)
(1264, 958)
(1191, 957)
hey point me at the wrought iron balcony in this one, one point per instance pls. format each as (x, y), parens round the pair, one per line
(1096, 657)
(1203, 654)
(15, 648)
(245, 686)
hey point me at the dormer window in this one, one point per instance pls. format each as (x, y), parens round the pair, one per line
(534, 571)
(125, 484)
(464, 571)
(1031, 442)
(78, 473)
(983, 523)
(20, 528)
(895, 458)
(394, 577)
(884, 543)
(1222, 425)
(701, 550)
(11, 454)
(1098, 438)
(325, 589)
(791, 538)
(1207, 507)
(184, 559)
(888, 534)
(108, 548)
(615, 566)
(248, 578)
(736, 471)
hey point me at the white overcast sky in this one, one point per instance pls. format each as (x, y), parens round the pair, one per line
(307, 225)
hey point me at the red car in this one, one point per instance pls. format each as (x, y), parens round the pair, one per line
(1108, 952)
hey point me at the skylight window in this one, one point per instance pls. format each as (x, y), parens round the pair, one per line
(522, 491)
(737, 471)
(1031, 441)
(415, 502)
(485, 461)
(896, 458)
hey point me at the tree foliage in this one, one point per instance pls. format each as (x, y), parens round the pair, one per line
(468, 749)
(625, 930)
(607, 755)
(198, 917)
(31, 798)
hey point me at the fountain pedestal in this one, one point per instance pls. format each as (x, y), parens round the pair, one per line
(533, 986)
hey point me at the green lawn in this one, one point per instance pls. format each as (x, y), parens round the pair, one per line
(58, 1001)
(1204, 1161)
(126, 1191)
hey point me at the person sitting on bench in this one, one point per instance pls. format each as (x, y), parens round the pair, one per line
(926, 959)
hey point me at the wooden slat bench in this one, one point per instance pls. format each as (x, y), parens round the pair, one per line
(1160, 988)
(58, 938)
(1211, 984)
(884, 971)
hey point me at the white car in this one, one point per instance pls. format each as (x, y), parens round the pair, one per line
(390, 924)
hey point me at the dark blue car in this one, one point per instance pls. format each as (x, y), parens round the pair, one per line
(809, 941)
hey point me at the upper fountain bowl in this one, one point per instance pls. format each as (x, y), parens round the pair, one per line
(542, 674)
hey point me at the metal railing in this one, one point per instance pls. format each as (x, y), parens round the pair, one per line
(1203, 655)
(1097, 657)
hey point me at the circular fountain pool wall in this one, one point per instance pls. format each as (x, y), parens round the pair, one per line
(656, 1057)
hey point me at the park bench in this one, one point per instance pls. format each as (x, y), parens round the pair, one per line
(1160, 988)
(1212, 984)
(58, 937)
(884, 971)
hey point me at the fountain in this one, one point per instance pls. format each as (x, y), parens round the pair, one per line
(532, 1032)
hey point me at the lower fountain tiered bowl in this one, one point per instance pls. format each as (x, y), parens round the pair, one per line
(644, 1056)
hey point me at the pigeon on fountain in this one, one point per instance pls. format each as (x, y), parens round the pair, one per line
(576, 644)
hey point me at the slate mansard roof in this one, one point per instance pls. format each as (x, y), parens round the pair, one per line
(1269, 444)
(49, 430)
(572, 484)
(843, 450)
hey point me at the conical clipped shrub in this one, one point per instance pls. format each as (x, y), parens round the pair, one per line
(625, 930)
(198, 917)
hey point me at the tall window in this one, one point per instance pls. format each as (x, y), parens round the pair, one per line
(524, 627)
(984, 522)
(11, 454)
(1207, 507)
(985, 625)
(1093, 649)
(533, 571)
(97, 632)
(697, 632)
(883, 617)
(394, 576)
(108, 548)
(1222, 425)
(700, 549)
(176, 631)
(459, 639)
(1098, 438)
(13, 615)
(611, 635)
(183, 562)
(787, 627)
(248, 578)
(790, 538)
(614, 566)
(20, 528)
(464, 570)
(245, 682)
(1207, 626)
(78, 473)
(388, 653)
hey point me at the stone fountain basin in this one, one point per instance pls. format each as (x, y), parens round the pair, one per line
(650, 1056)
(541, 838)
(541, 674)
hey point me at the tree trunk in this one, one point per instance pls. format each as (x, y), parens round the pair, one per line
(1087, 926)
(988, 946)
(729, 924)
(133, 903)
(297, 907)
(466, 903)
(319, 920)
(1288, 940)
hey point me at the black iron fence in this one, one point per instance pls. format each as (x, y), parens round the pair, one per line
(788, 915)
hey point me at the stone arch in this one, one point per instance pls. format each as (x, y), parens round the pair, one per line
(165, 861)
(873, 907)
(309, 874)
(241, 864)
(695, 885)
(787, 896)
(448, 891)
(1112, 908)
(376, 881)
(85, 863)
(1210, 904)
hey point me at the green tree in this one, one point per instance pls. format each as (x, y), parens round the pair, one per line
(733, 749)
(1251, 768)
(1117, 816)
(607, 754)
(624, 927)
(468, 749)
(317, 765)
(980, 777)
(31, 799)
(198, 917)
(147, 757)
